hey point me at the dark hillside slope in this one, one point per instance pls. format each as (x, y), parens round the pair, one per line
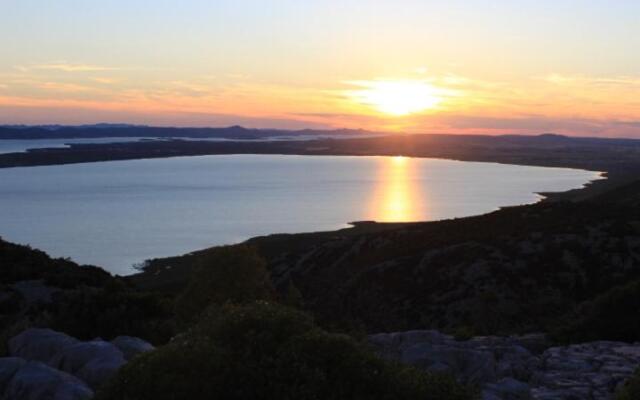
(517, 269)
(21, 263)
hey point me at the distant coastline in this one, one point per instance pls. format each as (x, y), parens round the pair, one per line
(618, 159)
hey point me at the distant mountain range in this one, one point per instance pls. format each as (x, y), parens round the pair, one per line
(17, 132)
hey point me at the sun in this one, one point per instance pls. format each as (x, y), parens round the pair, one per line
(396, 97)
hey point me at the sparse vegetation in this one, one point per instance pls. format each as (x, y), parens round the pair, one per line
(234, 274)
(610, 316)
(269, 351)
(631, 388)
(20, 263)
(88, 313)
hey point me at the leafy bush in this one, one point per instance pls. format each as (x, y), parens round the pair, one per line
(235, 274)
(9, 329)
(19, 263)
(87, 313)
(463, 333)
(267, 351)
(631, 388)
(610, 316)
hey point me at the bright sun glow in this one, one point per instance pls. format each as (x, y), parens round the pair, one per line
(397, 98)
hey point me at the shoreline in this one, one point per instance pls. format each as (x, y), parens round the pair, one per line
(361, 225)
(610, 170)
(618, 159)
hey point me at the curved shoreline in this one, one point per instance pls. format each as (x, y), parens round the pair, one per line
(469, 179)
(618, 158)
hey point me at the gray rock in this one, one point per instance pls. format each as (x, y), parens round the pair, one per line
(131, 346)
(391, 345)
(518, 367)
(515, 362)
(94, 362)
(8, 367)
(37, 381)
(627, 351)
(506, 389)
(52, 365)
(39, 344)
(486, 395)
(536, 343)
(98, 371)
(468, 365)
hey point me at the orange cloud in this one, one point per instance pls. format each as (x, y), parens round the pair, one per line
(572, 104)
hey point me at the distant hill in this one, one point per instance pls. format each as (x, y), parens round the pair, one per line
(125, 130)
(23, 263)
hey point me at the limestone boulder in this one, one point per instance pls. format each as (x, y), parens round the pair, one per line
(468, 365)
(37, 381)
(94, 362)
(131, 346)
(39, 344)
(506, 389)
(8, 368)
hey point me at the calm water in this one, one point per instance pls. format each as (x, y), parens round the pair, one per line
(116, 214)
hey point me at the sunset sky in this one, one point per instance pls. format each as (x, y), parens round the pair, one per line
(471, 66)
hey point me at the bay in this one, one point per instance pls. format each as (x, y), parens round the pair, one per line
(115, 214)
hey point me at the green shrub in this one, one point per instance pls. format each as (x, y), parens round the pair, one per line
(463, 333)
(235, 274)
(610, 316)
(9, 329)
(293, 297)
(631, 388)
(267, 351)
(19, 263)
(87, 313)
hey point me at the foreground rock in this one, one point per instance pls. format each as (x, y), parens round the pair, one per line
(35, 381)
(519, 367)
(46, 364)
(39, 344)
(131, 346)
(94, 362)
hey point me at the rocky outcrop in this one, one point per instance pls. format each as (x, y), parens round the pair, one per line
(94, 362)
(39, 344)
(131, 346)
(8, 368)
(589, 370)
(33, 380)
(517, 367)
(46, 364)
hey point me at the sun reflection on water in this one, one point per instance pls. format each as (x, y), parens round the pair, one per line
(397, 196)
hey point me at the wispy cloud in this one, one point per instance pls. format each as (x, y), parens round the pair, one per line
(66, 67)
(63, 87)
(562, 79)
(562, 103)
(105, 80)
